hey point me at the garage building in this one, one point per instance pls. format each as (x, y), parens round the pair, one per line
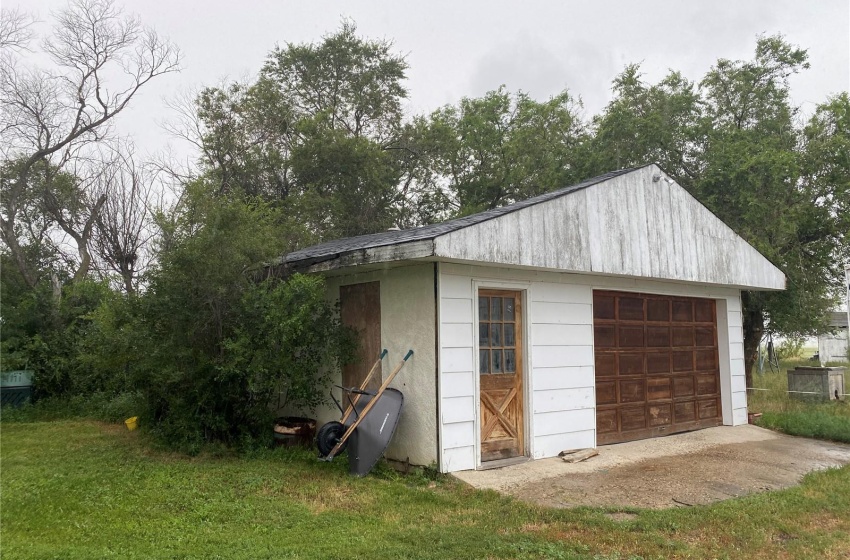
(602, 312)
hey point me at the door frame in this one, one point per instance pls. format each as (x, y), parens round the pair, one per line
(524, 288)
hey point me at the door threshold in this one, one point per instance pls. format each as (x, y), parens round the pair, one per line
(499, 463)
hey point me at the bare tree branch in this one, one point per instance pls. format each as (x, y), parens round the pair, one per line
(102, 58)
(16, 31)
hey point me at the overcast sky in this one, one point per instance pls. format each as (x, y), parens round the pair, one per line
(465, 48)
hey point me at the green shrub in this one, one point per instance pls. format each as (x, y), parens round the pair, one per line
(790, 348)
(218, 348)
(55, 338)
(103, 406)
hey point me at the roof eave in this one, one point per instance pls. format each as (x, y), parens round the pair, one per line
(410, 250)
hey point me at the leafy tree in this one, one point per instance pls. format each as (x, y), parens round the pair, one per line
(345, 184)
(350, 83)
(491, 151)
(317, 134)
(661, 123)
(734, 142)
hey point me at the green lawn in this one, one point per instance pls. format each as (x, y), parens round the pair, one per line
(83, 489)
(826, 420)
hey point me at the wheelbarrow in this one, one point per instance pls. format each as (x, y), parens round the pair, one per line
(368, 422)
(331, 433)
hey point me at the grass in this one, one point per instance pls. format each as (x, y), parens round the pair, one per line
(99, 406)
(825, 420)
(83, 489)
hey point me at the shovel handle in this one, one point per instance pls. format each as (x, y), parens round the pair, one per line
(350, 408)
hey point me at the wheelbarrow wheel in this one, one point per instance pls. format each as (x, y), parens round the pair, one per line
(328, 436)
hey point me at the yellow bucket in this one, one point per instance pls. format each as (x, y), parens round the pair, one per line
(132, 423)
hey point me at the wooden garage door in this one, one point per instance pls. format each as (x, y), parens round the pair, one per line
(657, 368)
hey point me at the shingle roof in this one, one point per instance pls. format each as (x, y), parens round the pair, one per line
(332, 249)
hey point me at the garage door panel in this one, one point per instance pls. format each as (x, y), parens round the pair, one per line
(606, 365)
(631, 308)
(660, 415)
(683, 336)
(683, 386)
(632, 391)
(685, 412)
(705, 336)
(631, 337)
(632, 418)
(707, 409)
(683, 311)
(657, 337)
(704, 311)
(631, 364)
(706, 384)
(606, 392)
(658, 362)
(683, 361)
(606, 421)
(656, 365)
(658, 388)
(658, 310)
(706, 360)
(604, 306)
(605, 336)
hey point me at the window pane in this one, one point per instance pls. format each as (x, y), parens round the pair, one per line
(496, 309)
(510, 361)
(483, 308)
(509, 335)
(495, 335)
(484, 361)
(509, 309)
(483, 334)
(497, 361)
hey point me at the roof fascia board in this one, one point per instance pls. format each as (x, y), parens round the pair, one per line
(374, 255)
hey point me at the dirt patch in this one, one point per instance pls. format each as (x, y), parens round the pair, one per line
(676, 471)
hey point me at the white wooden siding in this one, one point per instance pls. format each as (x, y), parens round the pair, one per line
(561, 402)
(563, 406)
(640, 224)
(457, 376)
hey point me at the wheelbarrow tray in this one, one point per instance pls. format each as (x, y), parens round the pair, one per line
(371, 438)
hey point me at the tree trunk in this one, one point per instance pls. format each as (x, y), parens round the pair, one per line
(7, 228)
(127, 276)
(753, 318)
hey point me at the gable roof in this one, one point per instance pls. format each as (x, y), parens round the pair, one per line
(333, 249)
(633, 222)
